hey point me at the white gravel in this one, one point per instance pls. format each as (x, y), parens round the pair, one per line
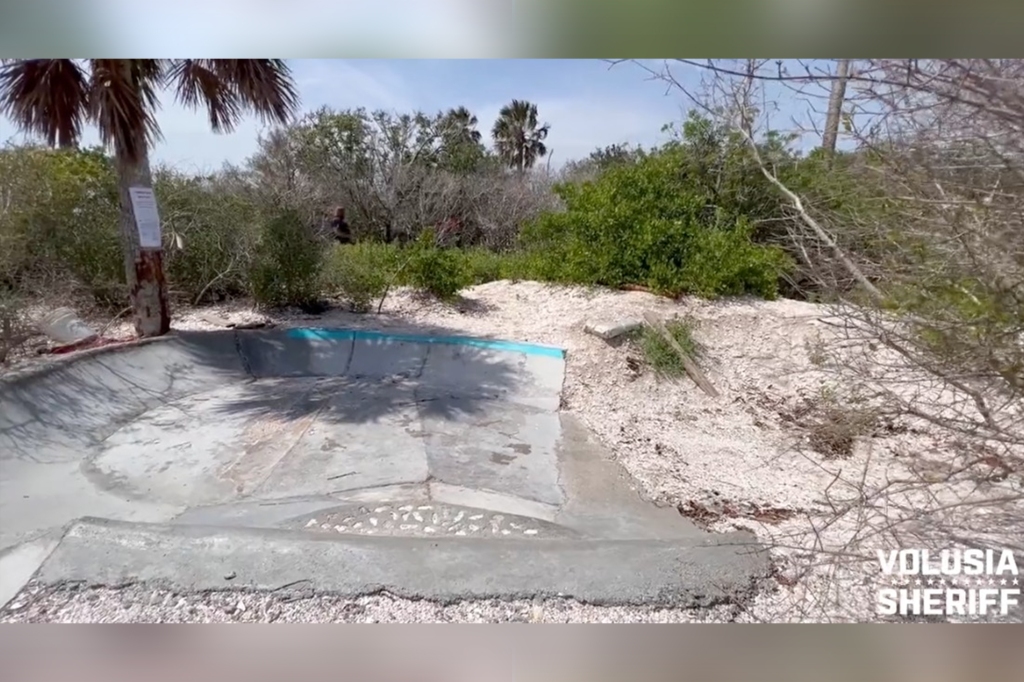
(739, 459)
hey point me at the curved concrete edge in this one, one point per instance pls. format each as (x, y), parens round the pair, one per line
(485, 343)
(680, 574)
(54, 363)
(62, 400)
(19, 563)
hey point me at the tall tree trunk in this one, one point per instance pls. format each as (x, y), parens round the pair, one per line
(147, 287)
(835, 107)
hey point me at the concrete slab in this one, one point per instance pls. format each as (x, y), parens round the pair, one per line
(334, 455)
(612, 329)
(253, 434)
(499, 447)
(604, 572)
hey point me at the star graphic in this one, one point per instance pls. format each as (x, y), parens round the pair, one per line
(1016, 582)
(1002, 581)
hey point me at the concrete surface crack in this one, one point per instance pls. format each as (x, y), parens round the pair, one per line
(241, 355)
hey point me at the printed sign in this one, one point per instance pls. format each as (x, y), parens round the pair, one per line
(147, 219)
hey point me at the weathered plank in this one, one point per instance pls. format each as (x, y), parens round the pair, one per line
(688, 364)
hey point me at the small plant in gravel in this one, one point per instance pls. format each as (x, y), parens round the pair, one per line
(660, 356)
(834, 426)
(817, 353)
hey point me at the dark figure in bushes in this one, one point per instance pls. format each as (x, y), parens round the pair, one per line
(342, 232)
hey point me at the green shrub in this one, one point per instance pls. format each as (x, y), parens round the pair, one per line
(442, 272)
(359, 273)
(60, 222)
(728, 264)
(644, 224)
(484, 265)
(287, 265)
(209, 237)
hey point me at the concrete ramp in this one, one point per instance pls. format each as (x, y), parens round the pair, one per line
(361, 450)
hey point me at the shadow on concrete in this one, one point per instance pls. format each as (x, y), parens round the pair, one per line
(53, 413)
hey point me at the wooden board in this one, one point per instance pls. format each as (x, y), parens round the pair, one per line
(689, 365)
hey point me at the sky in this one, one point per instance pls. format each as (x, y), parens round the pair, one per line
(588, 103)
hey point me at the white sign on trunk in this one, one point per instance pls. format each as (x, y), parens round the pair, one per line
(147, 219)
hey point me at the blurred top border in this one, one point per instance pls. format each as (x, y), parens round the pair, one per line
(512, 28)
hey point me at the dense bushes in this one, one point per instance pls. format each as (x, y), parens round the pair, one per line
(695, 216)
(211, 237)
(359, 273)
(57, 222)
(286, 265)
(438, 271)
(647, 223)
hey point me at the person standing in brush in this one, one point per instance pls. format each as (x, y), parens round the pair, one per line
(342, 232)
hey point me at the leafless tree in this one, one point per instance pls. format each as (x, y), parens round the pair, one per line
(390, 171)
(928, 324)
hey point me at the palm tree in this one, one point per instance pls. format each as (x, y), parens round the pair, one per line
(518, 138)
(461, 149)
(462, 124)
(55, 98)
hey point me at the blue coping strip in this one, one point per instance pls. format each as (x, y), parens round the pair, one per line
(363, 335)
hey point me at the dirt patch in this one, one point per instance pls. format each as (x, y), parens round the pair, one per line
(707, 515)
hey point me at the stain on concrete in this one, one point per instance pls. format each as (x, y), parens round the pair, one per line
(330, 444)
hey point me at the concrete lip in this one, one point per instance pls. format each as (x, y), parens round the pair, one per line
(363, 450)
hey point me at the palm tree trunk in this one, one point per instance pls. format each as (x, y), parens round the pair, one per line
(147, 287)
(835, 107)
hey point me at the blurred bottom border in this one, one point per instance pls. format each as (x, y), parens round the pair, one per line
(504, 653)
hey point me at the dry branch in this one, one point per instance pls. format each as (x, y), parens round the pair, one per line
(690, 366)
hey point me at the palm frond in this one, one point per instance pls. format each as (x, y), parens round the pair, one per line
(264, 86)
(197, 84)
(123, 102)
(46, 97)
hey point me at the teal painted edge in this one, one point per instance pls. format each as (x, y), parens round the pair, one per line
(363, 335)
